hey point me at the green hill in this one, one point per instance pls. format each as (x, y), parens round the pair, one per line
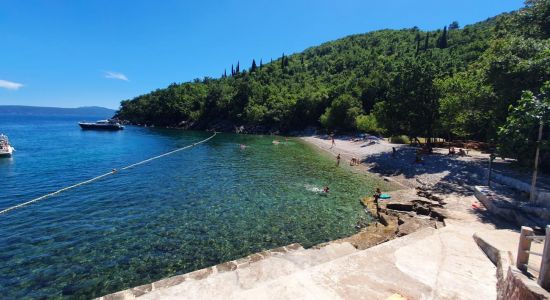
(453, 83)
(294, 91)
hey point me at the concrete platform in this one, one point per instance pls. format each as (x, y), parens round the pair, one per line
(428, 264)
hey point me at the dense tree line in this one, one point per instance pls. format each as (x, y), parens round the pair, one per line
(469, 83)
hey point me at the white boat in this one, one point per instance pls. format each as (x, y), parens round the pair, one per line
(101, 125)
(6, 149)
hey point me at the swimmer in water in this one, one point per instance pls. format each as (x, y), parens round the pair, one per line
(326, 189)
(243, 146)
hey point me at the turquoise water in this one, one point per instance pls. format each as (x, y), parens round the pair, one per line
(196, 208)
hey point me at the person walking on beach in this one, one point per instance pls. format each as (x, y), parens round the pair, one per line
(338, 160)
(332, 139)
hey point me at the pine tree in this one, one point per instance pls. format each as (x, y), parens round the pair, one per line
(254, 67)
(454, 25)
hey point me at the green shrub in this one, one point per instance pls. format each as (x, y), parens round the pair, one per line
(369, 124)
(400, 139)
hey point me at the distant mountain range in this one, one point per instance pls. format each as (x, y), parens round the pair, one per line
(95, 111)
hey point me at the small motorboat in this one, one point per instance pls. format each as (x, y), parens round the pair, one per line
(6, 150)
(101, 125)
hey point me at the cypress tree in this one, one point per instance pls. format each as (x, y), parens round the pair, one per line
(254, 67)
(261, 64)
(238, 68)
(427, 41)
(442, 43)
(224, 73)
(417, 40)
(232, 70)
(283, 61)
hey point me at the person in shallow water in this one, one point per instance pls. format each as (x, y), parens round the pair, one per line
(326, 189)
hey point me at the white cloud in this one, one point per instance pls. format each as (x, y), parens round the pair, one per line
(116, 75)
(10, 85)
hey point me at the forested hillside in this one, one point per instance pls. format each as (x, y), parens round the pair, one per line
(478, 82)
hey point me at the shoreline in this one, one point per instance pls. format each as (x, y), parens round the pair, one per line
(395, 219)
(432, 229)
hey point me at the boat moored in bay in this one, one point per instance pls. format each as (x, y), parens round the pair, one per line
(101, 125)
(6, 150)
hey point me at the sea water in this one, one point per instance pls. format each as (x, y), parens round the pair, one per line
(202, 206)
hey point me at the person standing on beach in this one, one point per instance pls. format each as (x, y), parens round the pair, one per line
(338, 160)
(333, 142)
(376, 197)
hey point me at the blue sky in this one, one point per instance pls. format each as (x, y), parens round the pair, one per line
(81, 53)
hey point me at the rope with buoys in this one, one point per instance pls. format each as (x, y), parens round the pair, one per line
(103, 175)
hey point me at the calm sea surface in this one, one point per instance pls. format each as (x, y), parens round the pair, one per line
(196, 208)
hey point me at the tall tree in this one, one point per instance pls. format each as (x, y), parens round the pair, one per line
(417, 38)
(253, 67)
(454, 25)
(427, 41)
(238, 68)
(442, 41)
(232, 70)
(519, 135)
(411, 106)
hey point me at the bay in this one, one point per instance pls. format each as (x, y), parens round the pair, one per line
(196, 208)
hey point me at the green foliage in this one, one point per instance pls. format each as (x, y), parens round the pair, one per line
(342, 113)
(534, 20)
(455, 83)
(400, 139)
(519, 134)
(466, 106)
(411, 106)
(369, 124)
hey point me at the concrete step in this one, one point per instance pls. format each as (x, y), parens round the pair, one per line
(279, 272)
(429, 264)
(234, 276)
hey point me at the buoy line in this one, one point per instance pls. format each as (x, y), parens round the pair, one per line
(103, 175)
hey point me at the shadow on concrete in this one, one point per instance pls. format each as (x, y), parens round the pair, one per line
(486, 217)
(454, 174)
